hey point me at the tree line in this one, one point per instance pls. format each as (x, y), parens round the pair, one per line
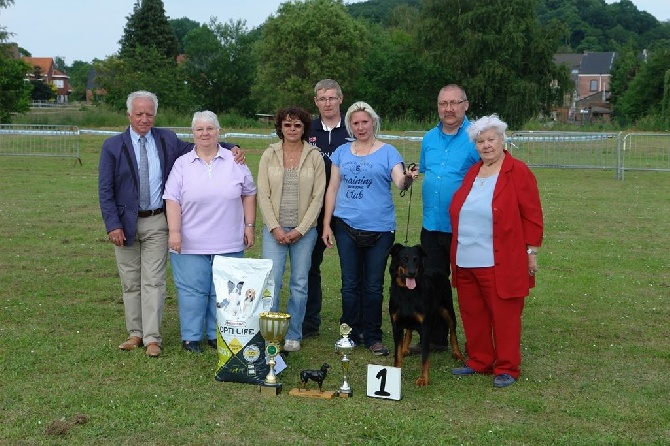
(395, 54)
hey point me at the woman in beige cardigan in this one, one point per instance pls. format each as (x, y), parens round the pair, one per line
(291, 184)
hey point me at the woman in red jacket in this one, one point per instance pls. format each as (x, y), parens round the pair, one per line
(496, 217)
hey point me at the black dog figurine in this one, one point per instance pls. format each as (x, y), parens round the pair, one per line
(418, 301)
(318, 376)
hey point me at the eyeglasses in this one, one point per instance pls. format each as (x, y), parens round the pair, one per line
(453, 104)
(288, 125)
(329, 99)
(205, 130)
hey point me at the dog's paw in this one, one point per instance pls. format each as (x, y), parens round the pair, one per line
(422, 381)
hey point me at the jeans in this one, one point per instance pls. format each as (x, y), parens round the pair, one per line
(362, 293)
(312, 320)
(300, 254)
(196, 296)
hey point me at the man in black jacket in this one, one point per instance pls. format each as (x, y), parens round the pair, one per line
(328, 132)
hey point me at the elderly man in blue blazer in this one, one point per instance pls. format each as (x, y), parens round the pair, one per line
(133, 169)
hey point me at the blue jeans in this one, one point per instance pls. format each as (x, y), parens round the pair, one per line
(300, 254)
(196, 296)
(362, 292)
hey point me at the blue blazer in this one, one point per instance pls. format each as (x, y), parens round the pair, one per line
(118, 176)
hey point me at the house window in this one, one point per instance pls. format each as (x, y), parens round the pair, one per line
(594, 85)
(59, 83)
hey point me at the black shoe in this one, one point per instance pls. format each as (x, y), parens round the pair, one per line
(310, 332)
(212, 343)
(192, 346)
(378, 349)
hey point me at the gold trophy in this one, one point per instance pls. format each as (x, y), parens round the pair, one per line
(273, 329)
(343, 347)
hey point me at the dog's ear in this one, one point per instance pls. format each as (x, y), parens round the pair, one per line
(395, 249)
(231, 286)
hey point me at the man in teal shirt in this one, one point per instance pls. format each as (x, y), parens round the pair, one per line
(446, 155)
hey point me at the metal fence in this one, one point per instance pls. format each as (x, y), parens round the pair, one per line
(572, 150)
(40, 140)
(645, 151)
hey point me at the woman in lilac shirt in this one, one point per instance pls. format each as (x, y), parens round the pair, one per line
(211, 209)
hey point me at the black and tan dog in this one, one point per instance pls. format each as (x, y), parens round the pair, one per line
(418, 301)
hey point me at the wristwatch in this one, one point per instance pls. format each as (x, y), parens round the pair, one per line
(531, 252)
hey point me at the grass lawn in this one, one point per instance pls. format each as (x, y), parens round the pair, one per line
(596, 339)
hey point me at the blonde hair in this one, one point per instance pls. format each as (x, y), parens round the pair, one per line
(365, 107)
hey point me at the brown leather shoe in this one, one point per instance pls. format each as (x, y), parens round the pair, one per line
(153, 349)
(131, 343)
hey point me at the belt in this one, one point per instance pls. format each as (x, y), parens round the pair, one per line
(145, 214)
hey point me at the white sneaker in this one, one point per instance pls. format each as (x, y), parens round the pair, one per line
(291, 345)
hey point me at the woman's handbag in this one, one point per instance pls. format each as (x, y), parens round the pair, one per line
(363, 239)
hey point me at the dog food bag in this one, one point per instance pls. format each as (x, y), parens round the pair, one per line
(244, 290)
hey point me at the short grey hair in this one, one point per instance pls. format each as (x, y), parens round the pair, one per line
(492, 122)
(141, 95)
(364, 107)
(454, 87)
(205, 116)
(328, 84)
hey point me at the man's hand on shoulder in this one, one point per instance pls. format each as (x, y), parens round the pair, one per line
(238, 154)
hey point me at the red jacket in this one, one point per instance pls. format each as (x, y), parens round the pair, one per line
(517, 223)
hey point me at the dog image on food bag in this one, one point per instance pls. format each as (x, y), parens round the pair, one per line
(243, 291)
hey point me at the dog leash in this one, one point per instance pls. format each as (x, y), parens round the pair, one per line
(410, 166)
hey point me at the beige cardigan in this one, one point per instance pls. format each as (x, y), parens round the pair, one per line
(311, 185)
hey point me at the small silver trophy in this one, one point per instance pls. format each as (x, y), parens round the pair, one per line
(343, 347)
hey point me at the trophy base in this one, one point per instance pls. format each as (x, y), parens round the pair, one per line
(267, 390)
(326, 395)
(347, 394)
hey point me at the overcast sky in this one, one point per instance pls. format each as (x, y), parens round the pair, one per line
(90, 29)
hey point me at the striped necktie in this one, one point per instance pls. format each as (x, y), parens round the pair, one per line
(145, 194)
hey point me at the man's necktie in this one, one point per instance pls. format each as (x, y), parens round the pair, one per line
(145, 195)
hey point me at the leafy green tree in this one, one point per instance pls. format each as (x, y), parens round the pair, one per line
(14, 92)
(42, 91)
(499, 52)
(220, 66)
(119, 76)
(146, 61)
(647, 91)
(3, 31)
(78, 74)
(148, 26)
(626, 65)
(181, 27)
(303, 43)
(60, 63)
(396, 79)
(381, 11)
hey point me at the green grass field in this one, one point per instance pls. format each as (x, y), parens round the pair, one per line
(596, 339)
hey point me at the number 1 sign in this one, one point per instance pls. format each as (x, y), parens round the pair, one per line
(384, 382)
